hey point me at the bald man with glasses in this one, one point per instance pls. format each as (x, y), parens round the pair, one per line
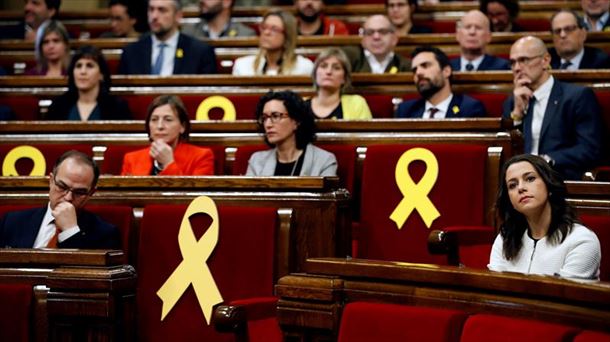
(569, 51)
(62, 223)
(560, 121)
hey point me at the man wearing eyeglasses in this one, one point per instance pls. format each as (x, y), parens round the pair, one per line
(560, 121)
(376, 51)
(569, 52)
(63, 223)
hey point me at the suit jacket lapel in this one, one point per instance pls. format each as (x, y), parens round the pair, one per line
(586, 59)
(551, 110)
(178, 61)
(456, 102)
(419, 108)
(486, 60)
(31, 227)
(147, 54)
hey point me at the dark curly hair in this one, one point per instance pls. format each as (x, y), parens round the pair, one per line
(306, 129)
(93, 53)
(513, 224)
(512, 6)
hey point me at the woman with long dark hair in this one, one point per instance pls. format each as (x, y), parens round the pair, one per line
(88, 96)
(539, 230)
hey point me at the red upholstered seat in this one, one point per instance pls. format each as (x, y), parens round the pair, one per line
(362, 321)
(50, 152)
(113, 158)
(24, 106)
(242, 265)
(458, 195)
(492, 102)
(483, 328)
(592, 336)
(345, 154)
(15, 312)
(601, 226)
(122, 217)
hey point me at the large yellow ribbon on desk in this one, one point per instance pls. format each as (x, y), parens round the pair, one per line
(415, 196)
(194, 268)
(25, 151)
(216, 101)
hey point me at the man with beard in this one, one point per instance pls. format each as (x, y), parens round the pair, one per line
(166, 51)
(376, 51)
(432, 76)
(216, 22)
(35, 14)
(312, 21)
(473, 35)
(597, 14)
(561, 122)
(502, 14)
(569, 52)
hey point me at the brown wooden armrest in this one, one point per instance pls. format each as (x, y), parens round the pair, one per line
(230, 319)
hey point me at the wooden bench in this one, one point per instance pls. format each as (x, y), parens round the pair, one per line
(311, 304)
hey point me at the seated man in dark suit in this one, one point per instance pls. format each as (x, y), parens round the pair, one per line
(376, 51)
(63, 222)
(560, 121)
(167, 51)
(473, 35)
(569, 52)
(35, 13)
(432, 76)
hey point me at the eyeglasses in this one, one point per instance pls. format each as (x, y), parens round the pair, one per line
(64, 189)
(525, 60)
(567, 30)
(274, 29)
(275, 117)
(371, 32)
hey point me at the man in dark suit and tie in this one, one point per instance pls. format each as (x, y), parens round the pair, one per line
(432, 76)
(473, 35)
(63, 222)
(569, 52)
(167, 51)
(560, 121)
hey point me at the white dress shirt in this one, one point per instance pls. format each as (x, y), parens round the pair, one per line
(443, 106)
(169, 53)
(475, 63)
(376, 66)
(575, 61)
(542, 95)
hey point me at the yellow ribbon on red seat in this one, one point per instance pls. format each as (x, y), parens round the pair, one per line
(216, 101)
(24, 151)
(194, 268)
(415, 196)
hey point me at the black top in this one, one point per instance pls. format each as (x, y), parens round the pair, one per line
(290, 169)
(336, 113)
(110, 107)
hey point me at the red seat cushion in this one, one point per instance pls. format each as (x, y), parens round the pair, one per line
(15, 312)
(24, 106)
(592, 336)
(458, 195)
(362, 321)
(483, 328)
(492, 102)
(242, 265)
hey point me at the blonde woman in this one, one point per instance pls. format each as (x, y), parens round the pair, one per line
(52, 51)
(276, 54)
(331, 77)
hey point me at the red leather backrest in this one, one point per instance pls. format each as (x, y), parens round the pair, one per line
(122, 217)
(592, 336)
(483, 328)
(25, 107)
(362, 321)
(242, 265)
(458, 195)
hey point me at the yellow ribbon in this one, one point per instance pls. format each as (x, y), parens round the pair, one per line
(216, 101)
(193, 269)
(25, 151)
(415, 195)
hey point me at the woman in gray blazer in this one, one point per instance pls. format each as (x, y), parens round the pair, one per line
(289, 129)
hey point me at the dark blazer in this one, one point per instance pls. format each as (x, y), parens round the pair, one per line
(593, 58)
(416, 29)
(359, 63)
(16, 31)
(111, 107)
(19, 229)
(571, 129)
(197, 57)
(489, 63)
(467, 107)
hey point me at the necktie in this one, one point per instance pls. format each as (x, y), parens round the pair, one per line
(433, 112)
(156, 69)
(565, 65)
(527, 125)
(53, 242)
(469, 67)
